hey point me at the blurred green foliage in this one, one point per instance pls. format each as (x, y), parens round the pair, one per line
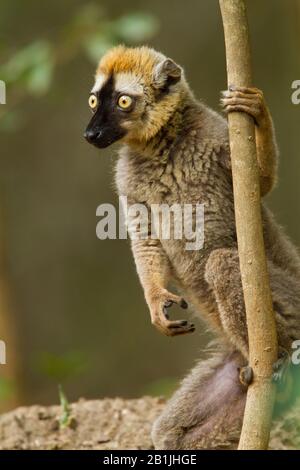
(61, 367)
(7, 389)
(80, 311)
(31, 69)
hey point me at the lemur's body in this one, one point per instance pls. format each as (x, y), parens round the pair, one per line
(176, 151)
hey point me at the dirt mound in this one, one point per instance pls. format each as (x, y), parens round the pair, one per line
(94, 424)
(107, 424)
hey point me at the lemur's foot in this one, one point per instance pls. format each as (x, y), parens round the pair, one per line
(246, 376)
(247, 100)
(281, 368)
(159, 303)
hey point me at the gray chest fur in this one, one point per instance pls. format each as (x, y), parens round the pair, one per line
(193, 172)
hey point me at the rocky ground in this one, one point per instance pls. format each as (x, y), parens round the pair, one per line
(94, 424)
(105, 424)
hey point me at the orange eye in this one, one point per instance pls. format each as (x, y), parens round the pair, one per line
(93, 101)
(125, 102)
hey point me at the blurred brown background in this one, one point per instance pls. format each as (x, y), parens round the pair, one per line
(71, 309)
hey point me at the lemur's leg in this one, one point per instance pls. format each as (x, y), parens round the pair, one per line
(222, 273)
(207, 410)
(252, 102)
(154, 272)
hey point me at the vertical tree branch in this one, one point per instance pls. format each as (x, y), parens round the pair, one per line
(260, 317)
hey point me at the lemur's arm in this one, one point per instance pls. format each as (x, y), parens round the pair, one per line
(154, 271)
(252, 102)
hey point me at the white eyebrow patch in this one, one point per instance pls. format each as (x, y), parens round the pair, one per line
(100, 80)
(127, 82)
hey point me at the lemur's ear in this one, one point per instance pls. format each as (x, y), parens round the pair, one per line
(167, 73)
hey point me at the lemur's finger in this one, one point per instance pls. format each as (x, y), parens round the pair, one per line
(184, 331)
(242, 96)
(248, 91)
(178, 324)
(236, 100)
(253, 112)
(236, 97)
(180, 327)
(172, 328)
(233, 104)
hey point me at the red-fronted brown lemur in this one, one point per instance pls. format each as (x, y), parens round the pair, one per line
(176, 150)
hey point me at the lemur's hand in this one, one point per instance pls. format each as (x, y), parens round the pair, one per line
(159, 300)
(247, 100)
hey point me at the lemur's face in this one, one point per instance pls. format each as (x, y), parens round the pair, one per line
(134, 93)
(117, 108)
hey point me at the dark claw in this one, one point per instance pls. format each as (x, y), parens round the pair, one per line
(166, 313)
(167, 304)
(179, 324)
(231, 88)
(185, 331)
(183, 304)
(246, 376)
(190, 329)
(184, 326)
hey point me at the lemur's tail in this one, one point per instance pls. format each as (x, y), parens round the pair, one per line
(207, 411)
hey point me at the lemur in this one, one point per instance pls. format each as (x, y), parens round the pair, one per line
(176, 150)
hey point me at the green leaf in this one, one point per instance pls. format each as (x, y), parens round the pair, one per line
(31, 67)
(61, 367)
(65, 407)
(96, 45)
(136, 27)
(40, 78)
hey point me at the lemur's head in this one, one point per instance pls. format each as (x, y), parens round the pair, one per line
(135, 93)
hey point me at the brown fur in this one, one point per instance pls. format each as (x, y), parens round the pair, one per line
(207, 410)
(140, 60)
(177, 151)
